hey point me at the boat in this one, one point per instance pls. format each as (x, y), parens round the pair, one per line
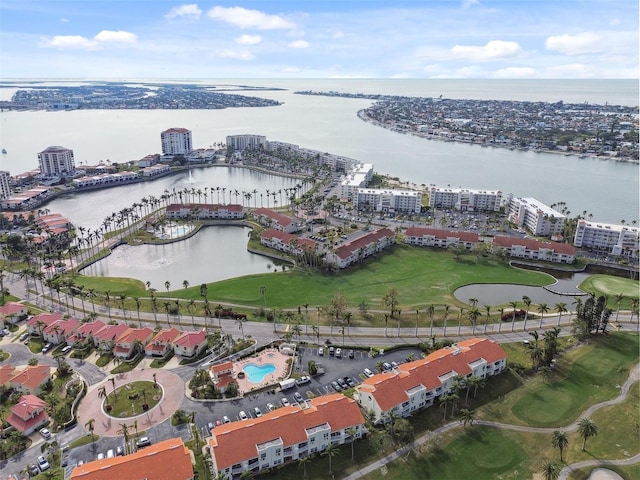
(4, 150)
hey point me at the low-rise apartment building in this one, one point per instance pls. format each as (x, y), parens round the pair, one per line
(535, 250)
(360, 248)
(434, 237)
(535, 216)
(286, 434)
(465, 199)
(617, 240)
(271, 218)
(286, 242)
(416, 385)
(206, 211)
(387, 200)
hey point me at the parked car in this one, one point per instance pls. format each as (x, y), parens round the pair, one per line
(48, 346)
(271, 407)
(6, 331)
(111, 453)
(386, 366)
(46, 434)
(65, 461)
(210, 426)
(119, 451)
(349, 382)
(257, 412)
(298, 397)
(285, 402)
(303, 380)
(352, 354)
(338, 353)
(368, 372)
(336, 386)
(226, 419)
(332, 351)
(342, 384)
(242, 415)
(321, 351)
(143, 442)
(101, 456)
(33, 470)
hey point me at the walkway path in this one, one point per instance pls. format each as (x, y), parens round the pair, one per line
(634, 377)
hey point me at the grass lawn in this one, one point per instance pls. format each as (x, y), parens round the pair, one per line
(611, 286)
(84, 440)
(422, 276)
(583, 376)
(122, 403)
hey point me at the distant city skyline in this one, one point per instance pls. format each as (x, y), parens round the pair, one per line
(120, 39)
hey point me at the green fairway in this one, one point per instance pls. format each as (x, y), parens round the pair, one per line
(610, 287)
(583, 376)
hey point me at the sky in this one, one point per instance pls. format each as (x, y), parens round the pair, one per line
(484, 39)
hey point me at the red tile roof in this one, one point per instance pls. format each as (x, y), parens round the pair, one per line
(110, 332)
(442, 234)
(348, 249)
(535, 245)
(11, 308)
(32, 376)
(287, 238)
(86, 330)
(45, 318)
(191, 339)
(389, 389)
(7, 371)
(132, 334)
(235, 442)
(273, 215)
(29, 412)
(165, 460)
(62, 327)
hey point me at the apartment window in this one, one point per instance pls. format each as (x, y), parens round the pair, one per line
(263, 457)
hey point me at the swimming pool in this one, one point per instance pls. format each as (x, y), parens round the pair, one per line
(256, 373)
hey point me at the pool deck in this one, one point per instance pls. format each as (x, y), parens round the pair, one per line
(270, 355)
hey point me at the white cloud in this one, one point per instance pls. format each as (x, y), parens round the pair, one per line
(74, 42)
(493, 50)
(299, 44)
(245, 18)
(191, 11)
(237, 54)
(110, 36)
(248, 39)
(469, 3)
(78, 42)
(64, 20)
(585, 42)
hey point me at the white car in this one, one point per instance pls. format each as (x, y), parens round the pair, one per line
(43, 464)
(285, 402)
(242, 415)
(46, 434)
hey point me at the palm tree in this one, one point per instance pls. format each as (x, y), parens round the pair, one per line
(560, 308)
(102, 394)
(513, 305)
(330, 452)
(486, 321)
(446, 315)
(542, 308)
(352, 433)
(559, 440)
(618, 298)
(124, 430)
(167, 285)
(550, 470)
(527, 301)
(587, 429)
(90, 427)
(467, 416)
(431, 309)
(303, 463)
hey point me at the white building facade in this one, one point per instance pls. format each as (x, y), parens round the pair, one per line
(387, 200)
(535, 216)
(56, 162)
(465, 199)
(176, 141)
(618, 240)
(5, 189)
(246, 142)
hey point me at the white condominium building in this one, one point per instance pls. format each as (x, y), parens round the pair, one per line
(56, 162)
(535, 216)
(465, 199)
(389, 201)
(246, 142)
(357, 177)
(5, 191)
(619, 240)
(176, 141)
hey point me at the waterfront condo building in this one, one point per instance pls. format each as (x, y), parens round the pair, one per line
(387, 200)
(618, 240)
(416, 385)
(176, 141)
(357, 177)
(246, 142)
(56, 162)
(535, 216)
(465, 199)
(5, 190)
(284, 435)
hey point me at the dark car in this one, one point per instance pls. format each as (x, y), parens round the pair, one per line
(336, 386)
(352, 354)
(298, 397)
(349, 382)
(342, 384)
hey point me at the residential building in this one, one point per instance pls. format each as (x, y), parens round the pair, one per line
(176, 141)
(37, 323)
(26, 199)
(206, 211)
(106, 180)
(357, 176)
(607, 238)
(105, 338)
(56, 162)
(360, 248)
(28, 415)
(387, 200)
(465, 199)
(271, 218)
(433, 237)
(246, 142)
(534, 250)
(416, 385)
(162, 343)
(535, 216)
(149, 160)
(286, 242)
(85, 332)
(60, 330)
(12, 313)
(5, 189)
(165, 460)
(285, 435)
(155, 170)
(130, 339)
(31, 379)
(190, 344)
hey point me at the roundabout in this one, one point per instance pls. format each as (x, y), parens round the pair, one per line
(160, 400)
